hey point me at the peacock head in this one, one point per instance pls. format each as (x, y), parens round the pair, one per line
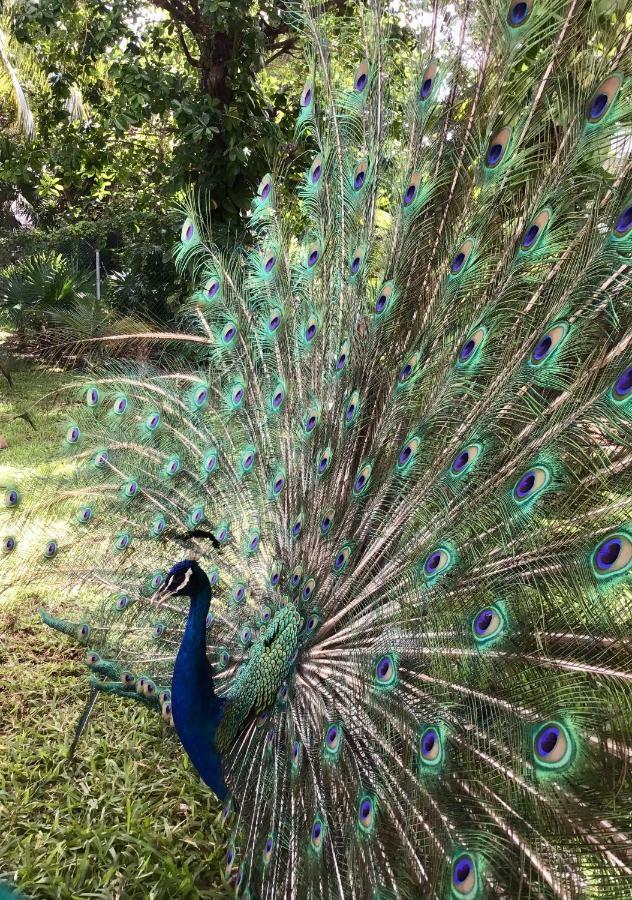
(185, 579)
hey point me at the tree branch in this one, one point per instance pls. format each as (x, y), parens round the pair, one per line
(190, 58)
(284, 47)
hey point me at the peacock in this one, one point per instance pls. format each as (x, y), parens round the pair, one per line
(359, 526)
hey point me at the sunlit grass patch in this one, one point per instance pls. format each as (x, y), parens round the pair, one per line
(129, 818)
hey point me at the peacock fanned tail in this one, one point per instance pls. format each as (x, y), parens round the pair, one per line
(407, 426)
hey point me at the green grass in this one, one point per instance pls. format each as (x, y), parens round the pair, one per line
(129, 818)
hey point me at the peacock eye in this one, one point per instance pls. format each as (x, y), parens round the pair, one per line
(187, 232)
(229, 333)
(295, 577)
(408, 454)
(308, 589)
(85, 514)
(50, 549)
(464, 460)
(315, 171)
(213, 577)
(245, 635)
(11, 498)
(312, 417)
(72, 435)
(343, 356)
(296, 752)
(253, 539)
(158, 525)
(497, 149)
(158, 630)
(275, 575)
(165, 696)
(386, 671)
(130, 488)
(239, 593)
(535, 230)
(359, 174)
(210, 461)
(267, 849)
(296, 526)
(212, 288)
(437, 562)
(428, 81)
(519, 11)
(152, 421)
(366, 813)
(355, 261)
(278, 396)
(623, 222)
(409, 368)
(101, 459)
(461, 257)
(265, 187)
(471, 347)
(362, 480)
(317, 834)
(310, 329)
(268, 261)
(127, 679)
(8, 544)
(603, 98)
(221, 533)
(333, 741)
(247, 459)
(122, 541)
(210, 618)
(237, 394)
(548, 344)
(274, 320)
(327, 521)
(384, 298)
(91, 658)
(83, 632)
(307, 94)
(412, 188)
(622, 388)
(265, 614)
(120, 405)
(200, 396)
(552, 746)
(341, 559)
(352, 408)
(323, 462)
(531, 484)
(613, 555)
(223, 657)
(156, 580)
(488, 623)
(92, 396)
(361, 78)
(172, 466)
(121, 602)
(313, 254)
(430, 747)
(464, 877)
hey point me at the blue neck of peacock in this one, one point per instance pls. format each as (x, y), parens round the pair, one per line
(192, 674)
(197, 710)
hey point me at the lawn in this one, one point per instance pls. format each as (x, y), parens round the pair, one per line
(128, 818)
